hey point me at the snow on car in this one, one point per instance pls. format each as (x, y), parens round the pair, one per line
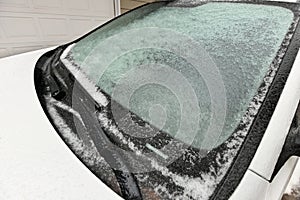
(173, 100)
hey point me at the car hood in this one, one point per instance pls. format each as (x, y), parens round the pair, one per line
(35, 162)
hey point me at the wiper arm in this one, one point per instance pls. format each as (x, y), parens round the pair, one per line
(51, 77)
(127, 182)
(56, 87)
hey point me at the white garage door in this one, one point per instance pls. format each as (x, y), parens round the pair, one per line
(33, 24)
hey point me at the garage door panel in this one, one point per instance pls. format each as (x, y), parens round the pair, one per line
(29, 24)
(47, 4)
(53, 27)
(80, 26)
(20, 27)
(14, 3)
(18, 50)
(76, 4)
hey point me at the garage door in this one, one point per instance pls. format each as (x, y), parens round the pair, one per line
(33, 24)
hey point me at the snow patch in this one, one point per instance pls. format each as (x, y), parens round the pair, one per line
(66, 108)
(88, 154)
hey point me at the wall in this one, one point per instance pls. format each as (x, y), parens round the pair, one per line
(33, 24)
(130, 4)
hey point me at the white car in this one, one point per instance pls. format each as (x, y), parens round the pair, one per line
(173, 100)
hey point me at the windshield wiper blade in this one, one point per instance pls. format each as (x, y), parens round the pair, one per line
(58, 89)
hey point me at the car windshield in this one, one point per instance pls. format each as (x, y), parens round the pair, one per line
(175, 81)
(189, 71)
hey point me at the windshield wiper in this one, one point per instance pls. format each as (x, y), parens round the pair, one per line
(54, 83)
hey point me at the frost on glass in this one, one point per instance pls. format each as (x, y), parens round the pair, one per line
(242, 44)
(242, 40)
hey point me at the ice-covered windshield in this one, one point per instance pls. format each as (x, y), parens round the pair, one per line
(175, 81)
(189, 71)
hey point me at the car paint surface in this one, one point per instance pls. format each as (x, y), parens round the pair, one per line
(35, 162)
(270, 147)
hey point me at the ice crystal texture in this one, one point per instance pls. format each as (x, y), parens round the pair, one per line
(241, 39)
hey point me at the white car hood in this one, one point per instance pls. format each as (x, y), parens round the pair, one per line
(35, 162)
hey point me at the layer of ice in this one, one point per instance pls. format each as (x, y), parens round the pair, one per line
(242, 45)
